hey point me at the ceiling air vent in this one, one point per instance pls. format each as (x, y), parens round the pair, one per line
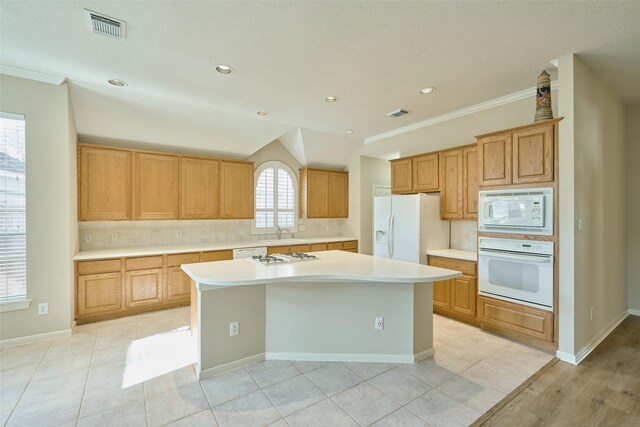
(104, 25)
(398, 113)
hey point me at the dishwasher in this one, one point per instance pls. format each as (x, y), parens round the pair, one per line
(249, 252)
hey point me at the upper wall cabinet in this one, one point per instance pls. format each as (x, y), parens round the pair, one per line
(104, 184)
(518, 156)
(199, 188)
(470, 182)
(236, 190)
(426, 173)
(451, 177)
(156, 186)
(402, 176)
(324, 194)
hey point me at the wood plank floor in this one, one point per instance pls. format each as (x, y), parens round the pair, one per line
(604, 390)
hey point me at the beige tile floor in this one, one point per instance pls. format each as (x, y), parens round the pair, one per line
(137, 371)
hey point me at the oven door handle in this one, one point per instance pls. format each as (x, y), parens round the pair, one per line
(539, 259)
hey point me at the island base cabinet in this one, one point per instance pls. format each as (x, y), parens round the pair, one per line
(143, 288)
(99, 294)
(178, 286)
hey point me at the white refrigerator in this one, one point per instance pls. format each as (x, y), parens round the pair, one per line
(406, 227)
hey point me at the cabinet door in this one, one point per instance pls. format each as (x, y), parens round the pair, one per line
(317, 194)
(178, 285)
(470, 182)
(99, 294)
(401, 176)
(442, 295)
(426, 173)
(199, 188)
(236, 190)
(338, 195)
(494, 155)
(105, 184)
(156, 188)
(463, 296)
(143, 288)
(451, 178)
(533, 155)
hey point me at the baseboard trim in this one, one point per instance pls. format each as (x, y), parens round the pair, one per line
(575, 359)
(38, 337)
(634, 311)
(350, 357)
(220, 369)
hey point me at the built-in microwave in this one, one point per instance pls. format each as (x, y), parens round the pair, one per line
(522, 211)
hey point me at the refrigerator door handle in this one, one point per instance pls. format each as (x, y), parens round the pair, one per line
(389, 241)
(391, 234)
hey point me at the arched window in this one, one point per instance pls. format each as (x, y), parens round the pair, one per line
(276, 198)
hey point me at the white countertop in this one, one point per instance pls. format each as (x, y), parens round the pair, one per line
(199, 247)
(330, 266)
(454, 253)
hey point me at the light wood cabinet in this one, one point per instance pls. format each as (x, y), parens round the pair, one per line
(426, 173)
(277, 250)
(338, 195)
(236, 190)
(143, 288)
(516, 320)
(99, 294)
(224, 255)
(533, 155)
(104, 184)
(451, 177)
(300, 248)
(470, 182)
(324, 194)
(156, 186)
(402, 176)
(178, 285)
(317, 247)
(199, 187)
(456, 297)
(522, 155)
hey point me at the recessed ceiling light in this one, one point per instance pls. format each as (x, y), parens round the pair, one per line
(262, 113)
(427, 90)
(348, 131)
(117, 82)
(224, 69)
(330, 99)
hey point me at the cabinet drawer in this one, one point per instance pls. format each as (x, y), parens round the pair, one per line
(300, 248)
(351, 244)
(318, 247)
(101, 266)
(528, 321)
(335, 246)
(216, 256)
(466, 267)
(277, 250)
(179, 259)
(143, 263)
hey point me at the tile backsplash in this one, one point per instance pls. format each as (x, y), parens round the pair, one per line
(464, 235)
(131, 234)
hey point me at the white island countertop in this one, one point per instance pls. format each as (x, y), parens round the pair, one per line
(201, 247)
(454, 253)
(330, 266)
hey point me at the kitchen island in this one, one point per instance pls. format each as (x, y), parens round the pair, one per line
(323, 309)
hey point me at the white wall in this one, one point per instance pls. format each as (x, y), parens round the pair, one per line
(599, 202)
(51, 204)
(372, 172)
(633, 205)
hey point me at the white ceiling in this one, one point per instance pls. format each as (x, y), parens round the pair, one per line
(288, 56)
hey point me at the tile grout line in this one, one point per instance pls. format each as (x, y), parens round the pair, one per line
(86, 381)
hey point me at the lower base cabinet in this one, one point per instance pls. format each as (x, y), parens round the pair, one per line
(143, 288)
(456, 297)
(178, 285)
(99, 293)
(520, 321)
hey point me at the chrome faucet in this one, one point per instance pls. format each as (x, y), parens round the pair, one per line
(279, 231)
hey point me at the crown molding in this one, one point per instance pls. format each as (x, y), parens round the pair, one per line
(31, 75)
(487, 105)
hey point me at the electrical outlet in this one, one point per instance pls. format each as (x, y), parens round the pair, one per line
(87, 237)
(301, 227)
(179, 234)
(114, 236)
(580, 224)
(234, 328)
(242, 231)
(43, 308)
(591, 313)
(379, 323)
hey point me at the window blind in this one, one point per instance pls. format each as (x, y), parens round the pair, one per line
(13, 242)
(275, 198)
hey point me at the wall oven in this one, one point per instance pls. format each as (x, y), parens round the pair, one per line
(520, 271)
(522, 211)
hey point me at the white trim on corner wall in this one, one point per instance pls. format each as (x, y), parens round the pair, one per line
(39, 337)
(31, 75)
(634, 311)
(575, 359)
(507, 99)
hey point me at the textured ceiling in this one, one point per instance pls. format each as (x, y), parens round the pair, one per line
(288, 56)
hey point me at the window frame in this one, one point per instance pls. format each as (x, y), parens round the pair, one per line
(296, 196)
